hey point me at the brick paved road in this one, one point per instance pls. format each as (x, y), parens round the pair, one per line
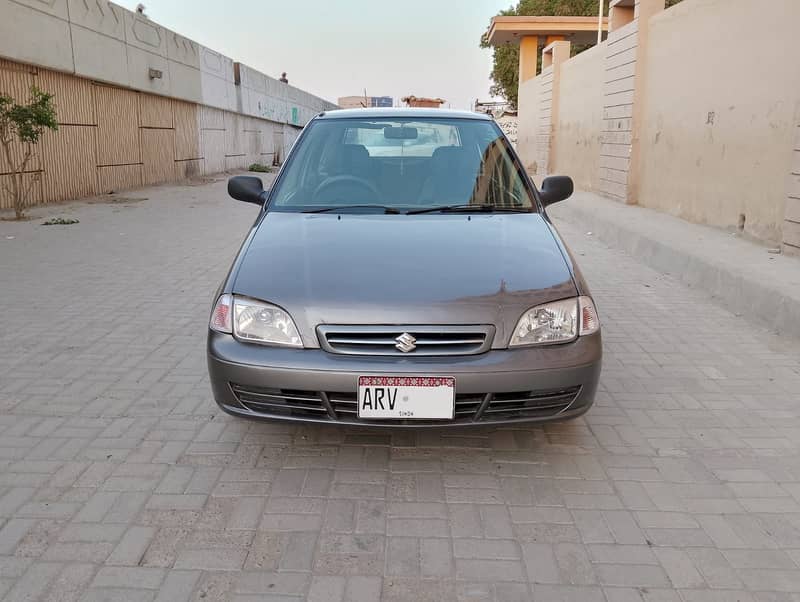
(120, 480)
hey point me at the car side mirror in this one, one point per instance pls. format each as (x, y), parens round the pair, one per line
(555, 189)
(249, 189)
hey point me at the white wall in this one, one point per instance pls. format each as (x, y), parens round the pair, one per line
(104, 42)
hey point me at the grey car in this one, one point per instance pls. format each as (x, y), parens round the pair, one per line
(402, 272)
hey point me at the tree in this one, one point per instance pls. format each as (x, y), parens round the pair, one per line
(21, 127)
(505, 68)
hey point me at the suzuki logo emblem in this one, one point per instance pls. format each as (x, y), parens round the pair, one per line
(406, 343)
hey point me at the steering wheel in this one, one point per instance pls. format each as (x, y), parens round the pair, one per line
(346, 189)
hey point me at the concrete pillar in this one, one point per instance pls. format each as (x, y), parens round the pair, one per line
(528, 57)
(553, 56)
(623, 97)
(791, 222)
(643, 11)
(619, 16)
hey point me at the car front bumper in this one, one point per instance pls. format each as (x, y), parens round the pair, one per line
(530, 384)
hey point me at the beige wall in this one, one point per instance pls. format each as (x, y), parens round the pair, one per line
(112, 138)
(544, 140)
(722, 87)
(577, 152)
(351, 102)
(529, 107)
(619, 82)
(791, 225)
(693, 110)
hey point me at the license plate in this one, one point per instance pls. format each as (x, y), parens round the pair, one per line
(406, 397)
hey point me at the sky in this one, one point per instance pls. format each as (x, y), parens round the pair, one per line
(335, 48)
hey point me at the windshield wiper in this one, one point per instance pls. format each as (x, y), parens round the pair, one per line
(485, 208)
(387, 209)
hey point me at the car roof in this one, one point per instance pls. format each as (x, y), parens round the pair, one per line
(402, 112)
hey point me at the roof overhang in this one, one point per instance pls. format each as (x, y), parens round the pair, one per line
(578, 30)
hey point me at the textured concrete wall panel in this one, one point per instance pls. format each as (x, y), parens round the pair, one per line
(24, 24)
(545, 124)
(211, 118)
(213, 149)
(187, 131)
(53, 8)
(74, 97)
(155, 111)
(189, 168)
(185, 82)
(100, 40)
(114, 178)
(29, 180)
(216, 80)
(114, 138)
(791, 237)
(619, 80)
(158, 150)
(70, 163)
(100, 57)
(100, 16)
(791, 224)
(234, 133)
(145, 34)
(15, 81)
(118, 126)
(182, 50)
(140, 62)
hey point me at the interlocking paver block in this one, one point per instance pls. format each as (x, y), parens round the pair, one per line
(121, 480)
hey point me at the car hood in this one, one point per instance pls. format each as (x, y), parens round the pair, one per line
(403, 269)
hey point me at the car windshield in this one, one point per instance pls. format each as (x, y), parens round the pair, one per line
(394, 165)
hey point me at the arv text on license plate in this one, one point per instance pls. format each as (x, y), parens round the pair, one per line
(406, 397)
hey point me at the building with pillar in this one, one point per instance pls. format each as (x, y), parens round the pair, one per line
(552, 37)
(671, 111)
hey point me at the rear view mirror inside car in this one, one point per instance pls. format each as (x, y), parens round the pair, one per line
(399, 133)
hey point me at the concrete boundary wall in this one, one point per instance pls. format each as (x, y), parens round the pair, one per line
(113, 138)
(791, 224)
(528, 142)
(619, 81)
(717, 145)
(102, 41)
(137, 103)
(696, 121)
(544, 138)
(579, 122)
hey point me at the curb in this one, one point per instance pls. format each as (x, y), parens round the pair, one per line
(746, 292)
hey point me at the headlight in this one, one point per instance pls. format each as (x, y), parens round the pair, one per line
(255, 321)
(556, 322)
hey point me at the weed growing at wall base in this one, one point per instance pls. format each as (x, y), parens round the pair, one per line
(259, 167)
(60, 221)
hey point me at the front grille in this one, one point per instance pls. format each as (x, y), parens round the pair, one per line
(280, 402)
(416, 340)
(342, 407)
(530, 404)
